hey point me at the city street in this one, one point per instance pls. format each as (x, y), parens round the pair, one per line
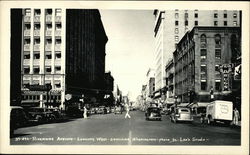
(111, 129)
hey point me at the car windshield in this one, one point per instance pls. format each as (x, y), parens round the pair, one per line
(184, 110)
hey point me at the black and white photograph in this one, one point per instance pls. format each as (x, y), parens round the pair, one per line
(100, 76)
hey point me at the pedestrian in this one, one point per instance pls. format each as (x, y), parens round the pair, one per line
(127, 111)
(236, 117)
(85, 110)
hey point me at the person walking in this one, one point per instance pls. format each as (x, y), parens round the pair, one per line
(85, 110)
(127, 111)
(236, 117)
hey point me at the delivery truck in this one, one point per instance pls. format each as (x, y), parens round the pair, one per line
(219, 111)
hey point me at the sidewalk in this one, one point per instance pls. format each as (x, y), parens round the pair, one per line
(197, 120)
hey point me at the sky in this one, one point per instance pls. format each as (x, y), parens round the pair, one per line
(130, 47)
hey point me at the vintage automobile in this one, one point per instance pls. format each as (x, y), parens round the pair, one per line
(179, 114)
(118, 110)
(153, 113)
(56, 115)
(18, 118)
(40, 115)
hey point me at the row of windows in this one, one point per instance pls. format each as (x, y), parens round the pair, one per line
(203, 54)
(37, 12)
(217, 85)
(48, 55)
(48, 26)
(58, 41)
(37, 97)
(196, 15)
(196, 23)
(36, 70)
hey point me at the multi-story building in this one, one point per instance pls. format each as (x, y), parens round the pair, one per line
(64, 48)
(203, 63)
(170, 27)
(15, 61)
(150, 86)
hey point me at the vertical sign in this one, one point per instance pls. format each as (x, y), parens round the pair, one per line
(226, 69)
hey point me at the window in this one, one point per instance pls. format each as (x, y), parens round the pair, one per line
(58, 26)
(36, 70)
(217, 39)
(176, 15)
(26, 55)
(58, 55)
(48, 26)
(215, 23)
(186, 23)
(218, 53)
(48, 55)
(176, 30)
(48, 41)
(196, 23)
(58, 41)
(215, 15)
(37, 26)
(176, 38)
(58, 69)
(58, 84)
(37, 41)
(203, 69)
(176, 23)
(37, 12)
(26, 70)
(58, 12)
(203, 85)
(27, 41)
(203, 53)
(225, 23)
(27, 26)
(196, 15)
(235, 23)
(235, 15)
(26, 83)
(225, 15)
(27, 12)
(203, 39)
(48, 69)
(48, 11)
(217, 68)
(36, 55)
(218, 85)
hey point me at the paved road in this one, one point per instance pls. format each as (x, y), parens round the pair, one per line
(111, 129)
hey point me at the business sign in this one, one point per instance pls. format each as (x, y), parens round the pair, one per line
(226, 69)
(46, 87)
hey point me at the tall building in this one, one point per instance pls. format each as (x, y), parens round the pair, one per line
(150, 86)
(203, 63)
(64, 48)
(15, 66)
(170, 27)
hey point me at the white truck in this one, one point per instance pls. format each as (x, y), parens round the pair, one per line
(219, 111)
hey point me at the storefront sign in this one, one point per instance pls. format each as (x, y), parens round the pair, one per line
(46, 87)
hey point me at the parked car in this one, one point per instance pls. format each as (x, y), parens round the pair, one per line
(40, 115)
(219, 111)
(18, 118)
(102, 110)
(56, 115)
(179, 114)
(118, 110)
(153, 113)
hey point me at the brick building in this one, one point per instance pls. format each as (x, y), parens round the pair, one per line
(203, 63)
